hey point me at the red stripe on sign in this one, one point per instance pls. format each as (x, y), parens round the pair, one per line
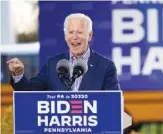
(77, 106)
(76, 102)
(76, 112)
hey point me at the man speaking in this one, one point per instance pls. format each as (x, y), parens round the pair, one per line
(79, 69)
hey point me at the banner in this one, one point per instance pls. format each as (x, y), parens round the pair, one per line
(68, 112)
(128, 32)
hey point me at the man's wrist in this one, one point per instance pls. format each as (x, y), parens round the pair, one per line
(17, 78)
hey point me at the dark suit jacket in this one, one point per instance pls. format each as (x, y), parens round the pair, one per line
(101, 75)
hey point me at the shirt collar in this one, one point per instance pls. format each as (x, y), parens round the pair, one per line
(85, 56)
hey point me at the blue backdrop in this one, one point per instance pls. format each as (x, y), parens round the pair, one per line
(129, 34)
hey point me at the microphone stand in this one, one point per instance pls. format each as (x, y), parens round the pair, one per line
(69, 82)
(66, 82)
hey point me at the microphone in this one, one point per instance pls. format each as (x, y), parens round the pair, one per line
(63, 72)
(62, 68)
(80, 68)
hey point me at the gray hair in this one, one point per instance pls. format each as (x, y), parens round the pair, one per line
(79, 15)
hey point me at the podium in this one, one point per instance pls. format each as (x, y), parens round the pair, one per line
(65, 112)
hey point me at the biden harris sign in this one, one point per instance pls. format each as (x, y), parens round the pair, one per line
(130, 32)
(68, 112)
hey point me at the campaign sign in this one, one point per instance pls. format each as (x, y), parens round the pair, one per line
(68, 112)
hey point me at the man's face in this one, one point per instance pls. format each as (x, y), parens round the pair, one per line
(77, 36)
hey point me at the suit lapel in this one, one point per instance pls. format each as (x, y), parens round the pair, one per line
(65, 55)
(91, 69)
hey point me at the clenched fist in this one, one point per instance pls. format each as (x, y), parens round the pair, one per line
(15, 66)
